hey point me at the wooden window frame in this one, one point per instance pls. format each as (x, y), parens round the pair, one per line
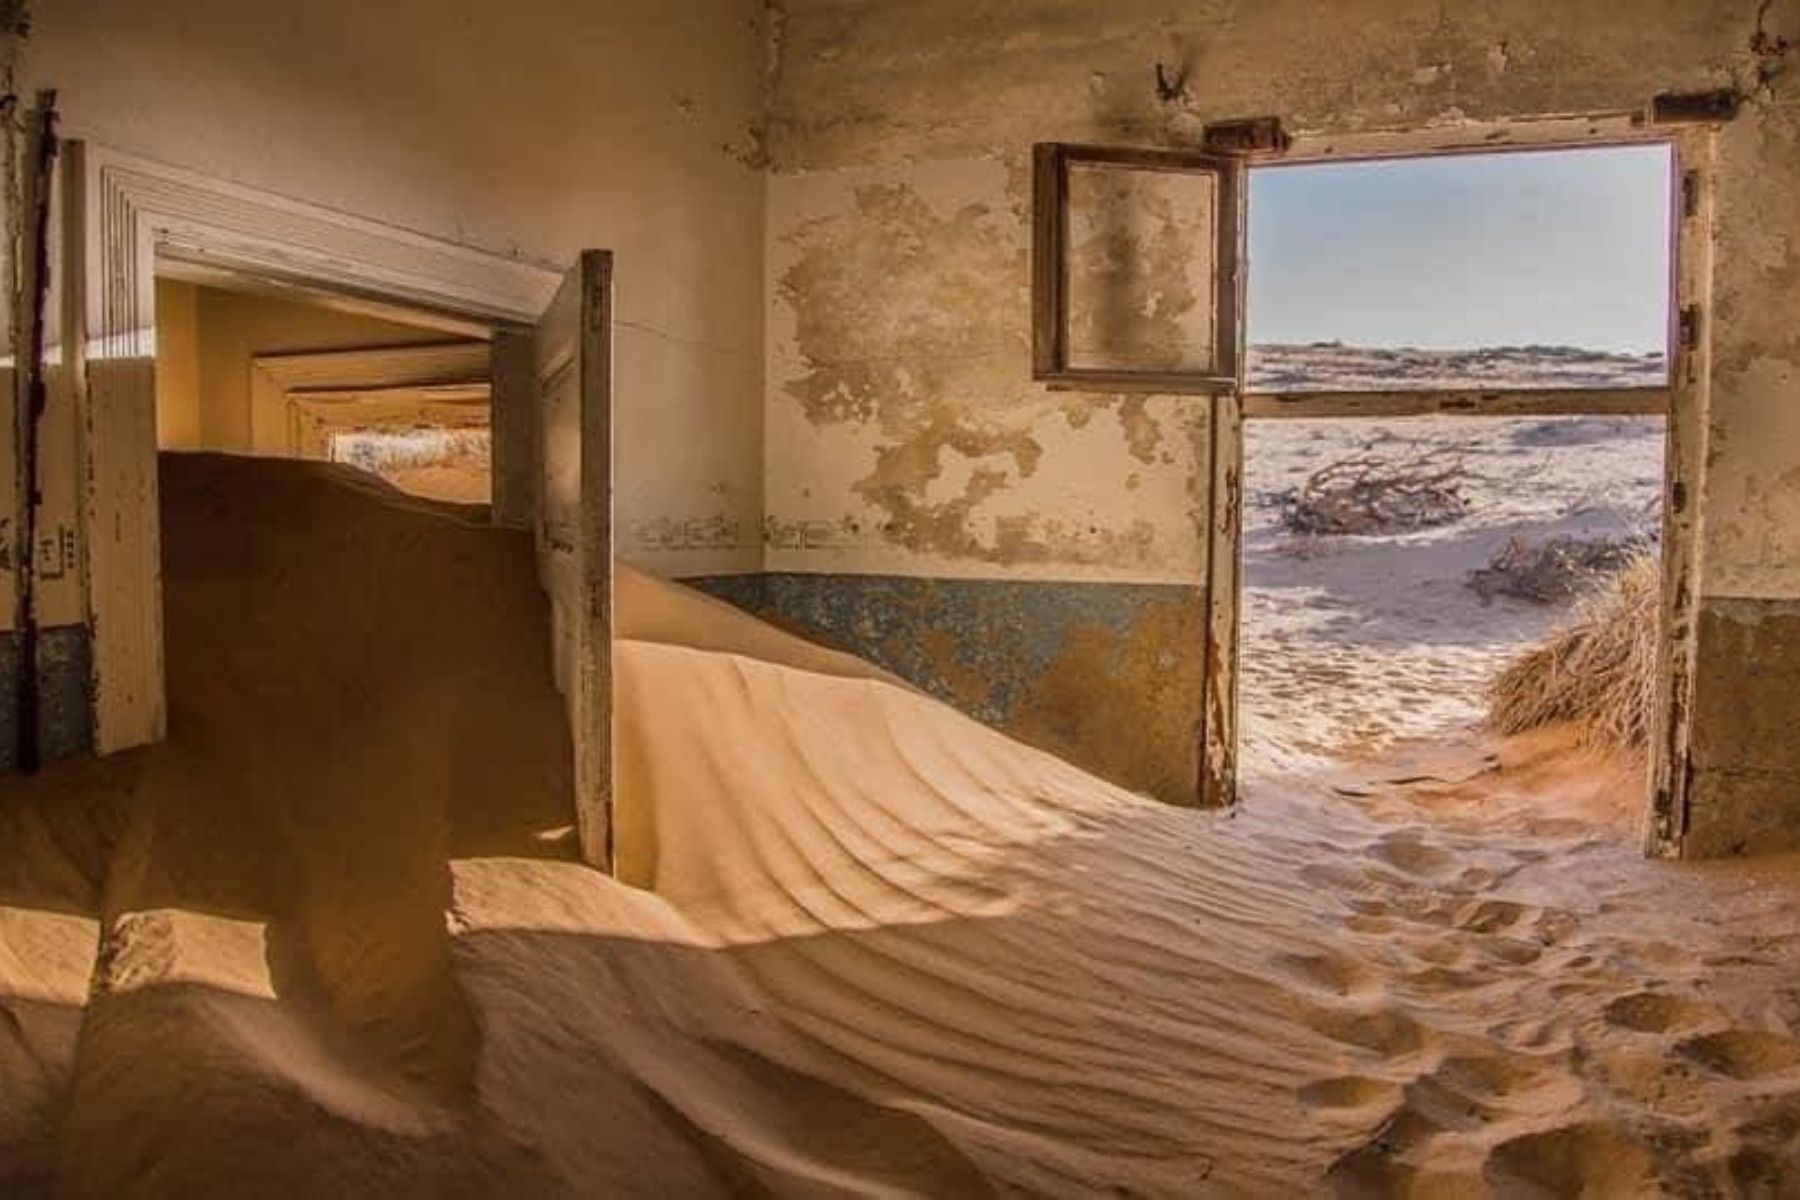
(1592, 132)
(1051, 164)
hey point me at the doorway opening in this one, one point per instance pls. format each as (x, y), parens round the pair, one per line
(1454, 453)
(243, 368)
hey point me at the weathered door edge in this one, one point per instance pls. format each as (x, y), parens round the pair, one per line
(1694, 191)
(1224, 515)
(572, 376)
(596, 778)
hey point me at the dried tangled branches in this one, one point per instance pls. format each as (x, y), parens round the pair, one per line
(1552, 571)
(1598, 672)
(1370, 494)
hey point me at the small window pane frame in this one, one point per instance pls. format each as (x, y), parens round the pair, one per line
(1051, 163)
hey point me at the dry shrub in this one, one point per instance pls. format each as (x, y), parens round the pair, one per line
(1598, 672)
(1369, 494)
(1552, 571)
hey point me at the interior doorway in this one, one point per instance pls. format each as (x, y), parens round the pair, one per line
(242, 369)
(1455, 449)
(551, 411)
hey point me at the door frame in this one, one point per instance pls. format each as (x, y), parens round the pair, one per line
(1685, 401)
(121, 213)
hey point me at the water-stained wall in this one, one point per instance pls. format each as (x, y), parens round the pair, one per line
(904, 437)
(877, 276)
(532, 129)
(907, 443)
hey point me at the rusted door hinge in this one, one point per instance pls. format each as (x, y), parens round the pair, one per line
(1689, 327)
(1695, 108)
(1250, 135)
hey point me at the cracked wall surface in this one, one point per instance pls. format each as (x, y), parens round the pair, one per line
(820, 214)
(1029, 656)
(903, 435)
(532, 130)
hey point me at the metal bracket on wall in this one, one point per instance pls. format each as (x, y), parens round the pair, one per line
(1695, 108)
(1247, 136)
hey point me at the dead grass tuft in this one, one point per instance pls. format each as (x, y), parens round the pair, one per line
(1598, 672)
(1555, 570)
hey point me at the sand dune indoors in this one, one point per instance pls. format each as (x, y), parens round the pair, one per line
(330, 940)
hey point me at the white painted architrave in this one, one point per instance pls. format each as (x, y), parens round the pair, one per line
(124, 211)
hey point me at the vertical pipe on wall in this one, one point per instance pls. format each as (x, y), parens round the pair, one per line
(33, 284)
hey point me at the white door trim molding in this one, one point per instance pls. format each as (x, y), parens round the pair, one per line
(139, 209)
(122, 212)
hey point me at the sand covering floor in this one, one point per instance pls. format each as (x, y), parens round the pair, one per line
(329, 940)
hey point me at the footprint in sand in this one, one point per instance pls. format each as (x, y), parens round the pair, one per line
(1659, 1012)
(1742, 1053)
(1496, 916)
(1348, 1093)
(1511, 1081)
(1385, 1032)
(1757, 1172)
(1377, 1167)
(1337, 974)
(1406, 852)
(1587, 1159)
(1514, 952)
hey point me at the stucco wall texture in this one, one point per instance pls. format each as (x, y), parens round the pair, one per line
(820, 212)
(535, 128)
(904, 437)
(899, 138)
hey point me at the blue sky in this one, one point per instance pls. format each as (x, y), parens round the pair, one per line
(1562, 247)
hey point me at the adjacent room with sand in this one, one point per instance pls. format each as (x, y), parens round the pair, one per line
(852, 598)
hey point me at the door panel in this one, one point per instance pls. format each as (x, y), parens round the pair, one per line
(572, 360)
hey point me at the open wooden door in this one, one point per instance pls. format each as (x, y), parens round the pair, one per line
(572, 365)
(1114, 311)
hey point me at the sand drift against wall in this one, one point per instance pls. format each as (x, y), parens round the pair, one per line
(863, 944)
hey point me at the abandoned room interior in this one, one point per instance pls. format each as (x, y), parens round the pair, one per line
(895, 597)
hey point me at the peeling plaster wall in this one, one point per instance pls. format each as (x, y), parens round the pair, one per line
(1752, 505)
(1025, 655)
(534, 128)
(1033, 557)
(903, 435)
(878, 280)
(1746, 792)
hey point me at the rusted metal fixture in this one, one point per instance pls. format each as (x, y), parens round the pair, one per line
(1247, 136)
(1696, 108)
